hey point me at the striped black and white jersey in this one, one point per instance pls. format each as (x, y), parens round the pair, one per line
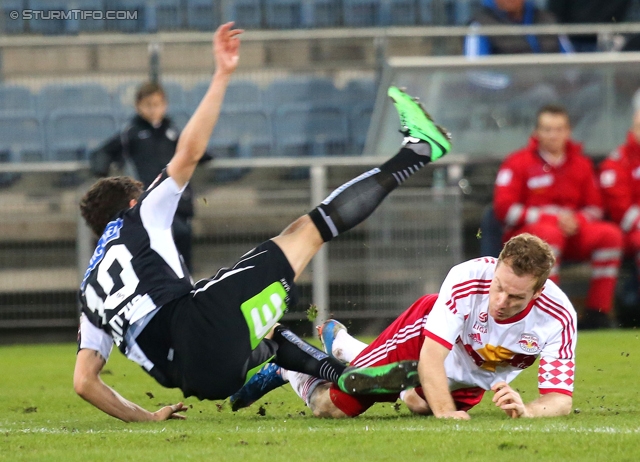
(134, 270)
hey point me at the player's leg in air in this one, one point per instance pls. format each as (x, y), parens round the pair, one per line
(343, 209)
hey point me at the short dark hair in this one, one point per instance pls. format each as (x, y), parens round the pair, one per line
(148, 89)
(106, 198)
(527, 254)
(554, 109)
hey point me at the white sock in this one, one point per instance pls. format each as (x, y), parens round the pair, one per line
(303, 384)
(345, 347)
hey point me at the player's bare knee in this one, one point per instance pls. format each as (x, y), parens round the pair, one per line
(296, 225)
(321, 405)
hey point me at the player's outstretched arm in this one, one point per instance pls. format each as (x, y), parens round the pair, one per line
(433, 379)
(195, 136)
(88, 384)
(548, 405)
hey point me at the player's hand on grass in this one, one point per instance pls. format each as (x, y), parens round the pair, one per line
(170, 412)
(226, 48)
(509, 400)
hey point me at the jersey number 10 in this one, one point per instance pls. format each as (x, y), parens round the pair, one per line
(116, 254)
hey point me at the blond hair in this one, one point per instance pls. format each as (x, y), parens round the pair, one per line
(527, 254)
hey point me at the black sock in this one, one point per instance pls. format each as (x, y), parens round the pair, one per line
(355, 200)
(297, 355)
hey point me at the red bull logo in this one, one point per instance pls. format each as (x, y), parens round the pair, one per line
(529, 343)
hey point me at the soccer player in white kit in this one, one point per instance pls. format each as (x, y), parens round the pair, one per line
(491, 320)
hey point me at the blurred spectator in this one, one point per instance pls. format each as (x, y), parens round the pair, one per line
(549, 189)
(588, 12)
(143, 148)
(513, 12)
(620, 184)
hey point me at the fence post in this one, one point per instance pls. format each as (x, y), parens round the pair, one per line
(320, 263)
(84, 239)
(155, 49)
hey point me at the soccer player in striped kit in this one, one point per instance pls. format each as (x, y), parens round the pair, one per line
(211, 337)
(491, 320)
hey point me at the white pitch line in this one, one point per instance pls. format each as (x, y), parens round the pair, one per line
(503, 429)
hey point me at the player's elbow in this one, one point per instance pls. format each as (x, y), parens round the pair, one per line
(80, 386)
(83, 384)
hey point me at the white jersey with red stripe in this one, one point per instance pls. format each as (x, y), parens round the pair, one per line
(485, 351)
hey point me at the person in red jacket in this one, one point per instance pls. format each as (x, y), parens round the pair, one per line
(549, 189)
(620, 185)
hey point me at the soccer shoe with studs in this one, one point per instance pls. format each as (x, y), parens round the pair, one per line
(266, 379)
(328, 332)
(417, 125)
(387, 379)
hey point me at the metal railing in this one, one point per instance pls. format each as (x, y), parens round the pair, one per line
(402, 251)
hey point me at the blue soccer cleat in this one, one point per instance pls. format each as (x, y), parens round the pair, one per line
(266, 379)
(328, 332)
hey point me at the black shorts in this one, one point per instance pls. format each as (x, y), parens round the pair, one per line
(206, 342)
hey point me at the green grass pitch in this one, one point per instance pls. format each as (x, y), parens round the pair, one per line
(43, 419)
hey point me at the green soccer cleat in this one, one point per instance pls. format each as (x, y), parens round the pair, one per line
(418, 125)
(388, 379)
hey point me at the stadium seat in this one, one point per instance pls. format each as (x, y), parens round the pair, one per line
(175, 95)
(86, 25)
(283, 14)
(239, 93)
(359, 91)
(359, 119)
(403, 12)
(247, 14)
(71, 134)
(321, 13)
(81, 96)
(304, 129)
(48, 26)
(426, 12)
(300, 90)
(71, 25)
(168, 14)
(15, 98)
(242, 132)
(369, 13)
(8, 25)
(362, 13)
(202, 15)
(458, 12)
(145, 20)
(21, 137)
(179, 118)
